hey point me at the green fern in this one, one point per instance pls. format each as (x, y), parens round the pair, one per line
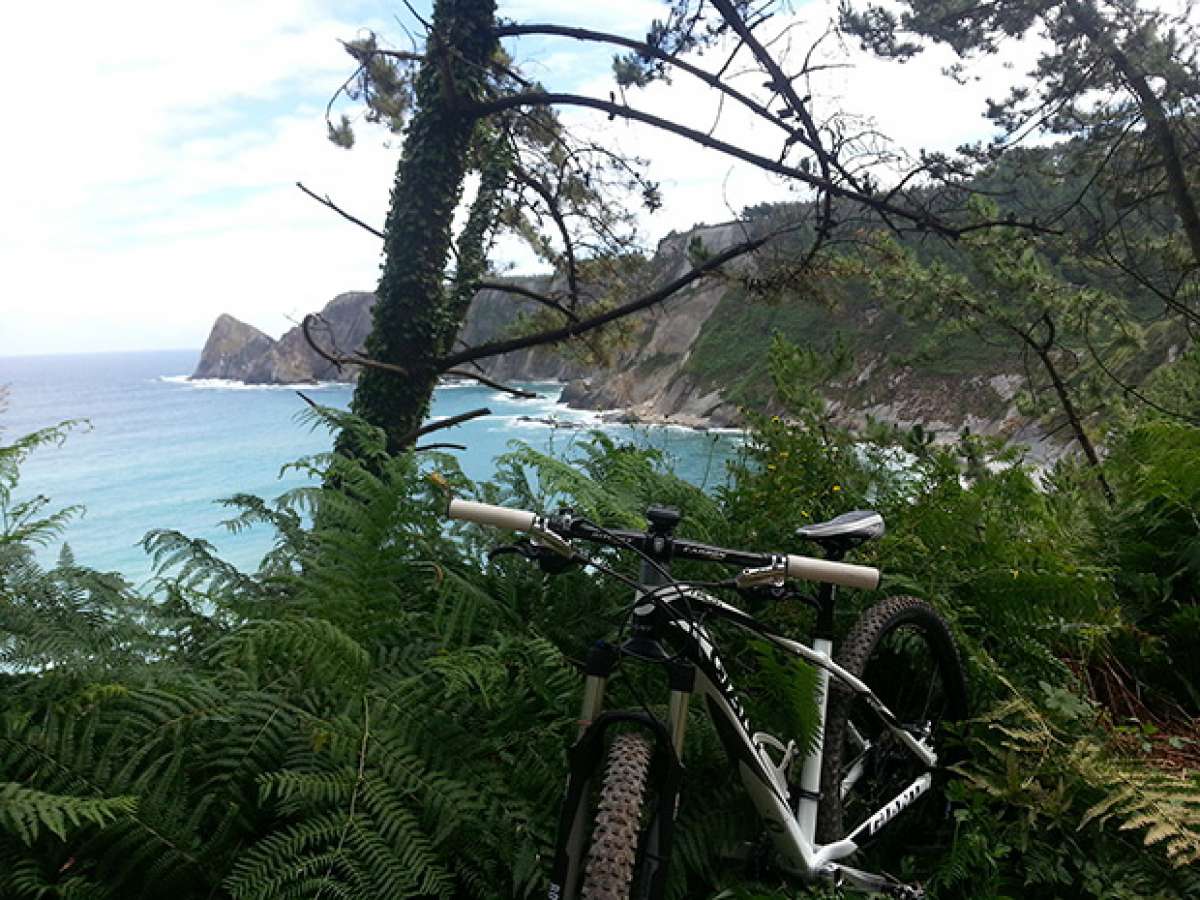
(24, 812)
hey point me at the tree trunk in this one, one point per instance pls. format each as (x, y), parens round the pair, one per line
(1158, 125)
(1076, 423)
(415, 320)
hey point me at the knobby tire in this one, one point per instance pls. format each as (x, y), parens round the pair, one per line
(613, 855)
(867, 643)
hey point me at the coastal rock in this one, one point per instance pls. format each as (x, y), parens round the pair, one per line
(347, 322)
(256, 359)
(698, 359)
(232, 350)
(575, 392)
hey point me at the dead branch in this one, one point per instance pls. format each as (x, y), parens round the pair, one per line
(340, 360)
(552, 206)
(796, 106)
(546, 98)
(411, 437)
(713, 81)
(325, 201)
(544, 299)
(489, 382)
(1128, 389)
(575, 329)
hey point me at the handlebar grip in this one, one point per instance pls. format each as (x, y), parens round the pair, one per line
(845, 574)
(495, 516)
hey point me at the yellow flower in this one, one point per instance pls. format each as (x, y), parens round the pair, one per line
(836, 488)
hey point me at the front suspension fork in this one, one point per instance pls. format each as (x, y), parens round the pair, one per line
(586, 757)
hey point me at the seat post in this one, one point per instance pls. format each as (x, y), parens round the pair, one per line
(826, 596)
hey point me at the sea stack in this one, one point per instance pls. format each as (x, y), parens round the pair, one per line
(232, 349)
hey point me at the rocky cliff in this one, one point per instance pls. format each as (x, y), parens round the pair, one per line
(700, 358)
(232, 350)
(240, 352)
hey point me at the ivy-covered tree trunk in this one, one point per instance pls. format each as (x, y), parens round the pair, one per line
(416, 319)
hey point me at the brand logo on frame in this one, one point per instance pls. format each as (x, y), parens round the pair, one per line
(889, 812)
(722, 680)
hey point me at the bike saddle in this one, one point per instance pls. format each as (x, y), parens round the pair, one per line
(846, 531)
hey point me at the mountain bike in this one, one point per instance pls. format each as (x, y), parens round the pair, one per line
(883, 705)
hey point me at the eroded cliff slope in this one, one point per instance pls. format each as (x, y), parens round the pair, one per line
(700, 358)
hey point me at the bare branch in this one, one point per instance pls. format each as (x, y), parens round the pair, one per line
(416, 15)
(340, 360)
(1128, 389)
(399, 55)
(412, 436)
(325, 201)
(551, 201)
(312, 342)
(489, 382)
(543, 299)
(713, 81)
(779, 81)
(770, 165)
(575, 329)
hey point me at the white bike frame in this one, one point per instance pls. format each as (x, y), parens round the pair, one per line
(673, 609)
(765, 778)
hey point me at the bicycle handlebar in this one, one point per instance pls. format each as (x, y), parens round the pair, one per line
(496, 516)
(790, 565)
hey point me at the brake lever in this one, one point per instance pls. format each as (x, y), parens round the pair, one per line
(520, 548)
(549, 561)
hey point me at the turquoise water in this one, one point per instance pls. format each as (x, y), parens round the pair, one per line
(160, 450)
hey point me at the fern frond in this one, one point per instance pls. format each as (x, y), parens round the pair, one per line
(25, 811)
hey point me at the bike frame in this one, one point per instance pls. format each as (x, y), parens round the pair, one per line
(695, 669)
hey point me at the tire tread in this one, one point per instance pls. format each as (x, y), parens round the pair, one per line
(612, 856)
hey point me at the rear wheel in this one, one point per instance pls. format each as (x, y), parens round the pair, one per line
(620, 821)
(903, 650)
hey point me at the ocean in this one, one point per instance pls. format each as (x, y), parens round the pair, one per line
(159, 450)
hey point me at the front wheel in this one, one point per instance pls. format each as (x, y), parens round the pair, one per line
(904, 652)
(620, 821)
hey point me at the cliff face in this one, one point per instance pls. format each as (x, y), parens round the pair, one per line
(652, 379)
(240, 352)
(232, 350)
(291, 359)
(700, 358)
(492, 312)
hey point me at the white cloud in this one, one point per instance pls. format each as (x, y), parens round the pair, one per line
(151, 155)
(151, 186)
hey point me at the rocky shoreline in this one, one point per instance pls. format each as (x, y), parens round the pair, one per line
(692, 361)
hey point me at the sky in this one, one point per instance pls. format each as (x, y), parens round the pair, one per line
(152, 151)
